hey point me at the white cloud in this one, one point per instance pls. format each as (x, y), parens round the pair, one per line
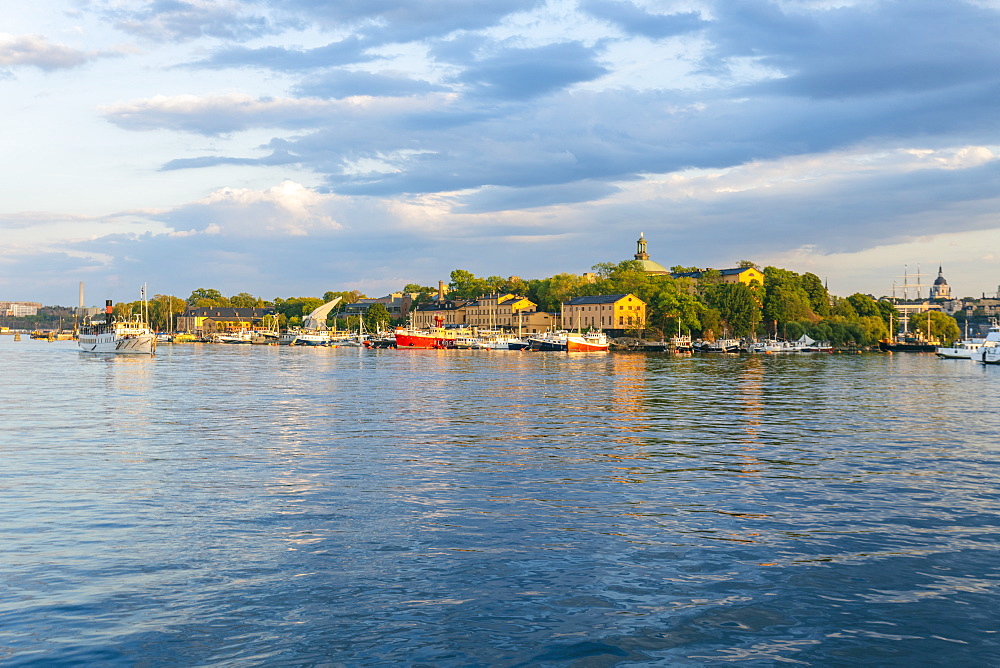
(38, 51)
(288, 208)
(791, 172)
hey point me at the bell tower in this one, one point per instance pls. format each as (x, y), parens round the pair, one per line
(640, 247)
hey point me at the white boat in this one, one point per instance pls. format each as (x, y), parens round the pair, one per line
(500, 341)
(314, 331)
(307, 337)
(133, 336)
(242, 337)
(989, 354)
(682, 343)
(771, 346)
(587, 342)
(968, 349)
(562, 340)
(720, 346)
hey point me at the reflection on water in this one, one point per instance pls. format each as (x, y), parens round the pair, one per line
(260, 505)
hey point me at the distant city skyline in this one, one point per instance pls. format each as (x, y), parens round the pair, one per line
(291, 147)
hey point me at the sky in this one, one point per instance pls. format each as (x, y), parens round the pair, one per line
(290, 147)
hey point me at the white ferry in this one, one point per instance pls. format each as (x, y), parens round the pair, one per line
(122, 336)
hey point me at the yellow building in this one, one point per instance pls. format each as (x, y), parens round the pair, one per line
(497, 311)
(204, 321)
(504, 311)
(607, 312)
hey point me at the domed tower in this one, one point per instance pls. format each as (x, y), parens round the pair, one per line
(940, 289)
(642, 256)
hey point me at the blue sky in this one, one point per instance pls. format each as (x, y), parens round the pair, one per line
(290, 147)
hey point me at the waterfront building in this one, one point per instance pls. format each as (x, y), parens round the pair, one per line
(208, 320)
(611, 313)
(398, 304)
(505, 311)
(19, 309)
(436, 313)
(498, 311)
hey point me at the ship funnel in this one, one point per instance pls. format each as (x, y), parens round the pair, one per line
(108, 310)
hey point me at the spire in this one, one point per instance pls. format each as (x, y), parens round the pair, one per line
(641, 253)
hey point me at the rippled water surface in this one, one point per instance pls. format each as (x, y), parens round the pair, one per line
(238, 505)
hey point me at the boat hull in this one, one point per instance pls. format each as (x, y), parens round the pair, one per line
(109, 342)
(581, 344)
(956, 353)
(549, 345)
(907, 347)
(424, 340)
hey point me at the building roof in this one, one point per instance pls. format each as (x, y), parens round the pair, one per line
(651, 267)
(596, 299)
(447, 305)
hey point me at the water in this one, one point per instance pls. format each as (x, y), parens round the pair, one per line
(237, 505)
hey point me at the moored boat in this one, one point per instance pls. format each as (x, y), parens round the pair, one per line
(720, 346)
(493, 340)
(549, 341)
(969, 348)
(589, 342)
(908, 344)
(433, 338)
(989, 354)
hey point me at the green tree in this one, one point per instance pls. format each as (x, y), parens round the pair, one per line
(674, 307)
(819, 298)
(873, 328)
(737, 306)
(466, 285)
(164, 311)
(207, 297)
(346, 297)
(377, 318)
(845, 309)
(785, 299)
(550, 293)
(246, 300)
(942, 326)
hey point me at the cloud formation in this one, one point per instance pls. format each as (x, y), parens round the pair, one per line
(455, 128)
(38, 51)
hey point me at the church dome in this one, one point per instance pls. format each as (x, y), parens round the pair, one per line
(940, 281)
(642, 257)
(651, 267)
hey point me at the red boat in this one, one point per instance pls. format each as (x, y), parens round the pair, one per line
(591, 342)
(436, 337)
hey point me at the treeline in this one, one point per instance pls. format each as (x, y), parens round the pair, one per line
(47, 317)
(786, 304)
(164, 310)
